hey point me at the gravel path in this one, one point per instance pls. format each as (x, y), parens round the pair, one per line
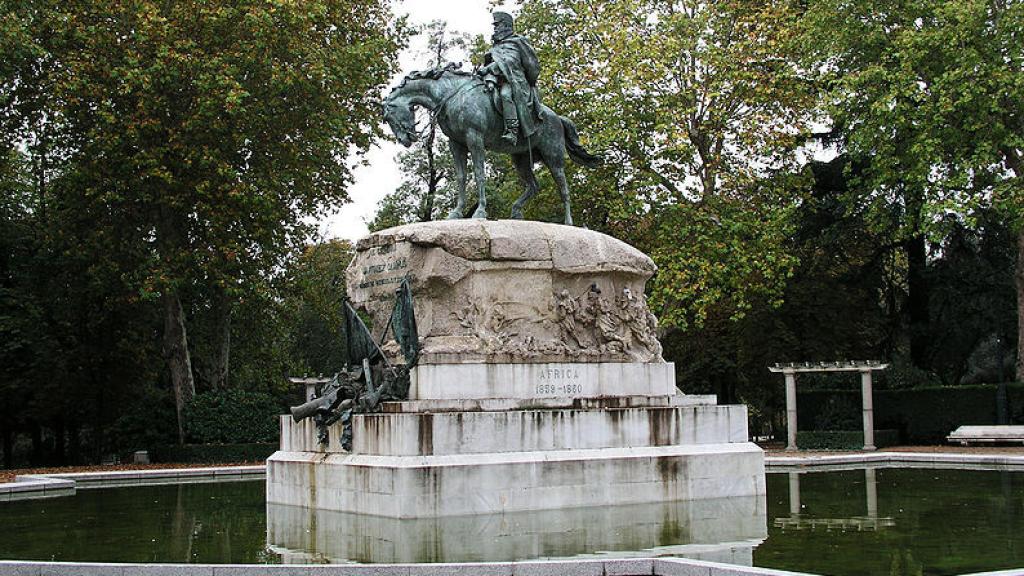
(1000, 450)
(8, 475)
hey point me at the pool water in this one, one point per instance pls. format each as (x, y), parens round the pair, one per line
(895, 521)
(874, 521)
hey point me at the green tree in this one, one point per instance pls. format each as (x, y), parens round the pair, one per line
(203, 135)
(698, 113)
(931, 92)
(314, 296)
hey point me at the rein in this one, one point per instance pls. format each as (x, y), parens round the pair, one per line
(440, 108)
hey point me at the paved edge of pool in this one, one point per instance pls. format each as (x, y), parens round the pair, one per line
(28, 486)
(620, 567)
(894, 459)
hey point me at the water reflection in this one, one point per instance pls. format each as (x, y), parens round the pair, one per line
(798, 521)
(900, 522)
(725, 530)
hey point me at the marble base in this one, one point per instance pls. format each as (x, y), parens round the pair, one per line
(490, 483)
(478, 432)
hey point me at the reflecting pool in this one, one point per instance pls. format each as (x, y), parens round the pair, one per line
(894, 521)
(874, 521)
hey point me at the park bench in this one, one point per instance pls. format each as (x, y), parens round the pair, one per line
(987, 434)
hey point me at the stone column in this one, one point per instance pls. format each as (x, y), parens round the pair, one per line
(871, 485)
(869, 414)
(790, 410)
(794, 494)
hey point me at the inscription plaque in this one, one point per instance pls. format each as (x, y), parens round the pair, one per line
(382, 268)
(559, 381)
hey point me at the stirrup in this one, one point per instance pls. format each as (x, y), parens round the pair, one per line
(511, 134)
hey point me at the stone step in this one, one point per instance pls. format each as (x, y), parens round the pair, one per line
(542, 430)
(503, 404)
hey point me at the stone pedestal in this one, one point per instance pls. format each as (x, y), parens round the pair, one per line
(541, 387)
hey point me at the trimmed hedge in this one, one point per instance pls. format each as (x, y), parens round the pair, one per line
(922, 416)
(233, 416)
(212, 453)
(843, 439)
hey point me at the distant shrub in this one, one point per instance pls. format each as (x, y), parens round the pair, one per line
(212, 453)
(922, 416)
(232, 416)
(902, 375)
(839, 412)
(843, 439)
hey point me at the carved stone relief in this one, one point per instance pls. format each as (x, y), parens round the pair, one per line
(574, 296)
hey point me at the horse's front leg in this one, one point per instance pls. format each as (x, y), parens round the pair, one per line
(476, 150)
(459, 153)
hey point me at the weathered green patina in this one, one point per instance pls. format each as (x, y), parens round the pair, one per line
(496, 108)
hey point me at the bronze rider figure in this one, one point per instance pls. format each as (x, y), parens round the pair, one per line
(511, 66)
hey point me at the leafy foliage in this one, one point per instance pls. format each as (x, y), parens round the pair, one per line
(843, 439)
(922, 415)
(931, 93)
(213, 453)
(697, 114)
(232, 417)
(161, 163)
(314, 304)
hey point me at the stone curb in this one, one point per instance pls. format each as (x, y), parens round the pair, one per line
(887, 459)
(620, 567)
(26, 486)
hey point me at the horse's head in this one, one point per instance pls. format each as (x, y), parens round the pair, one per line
(401, 119)
(418, 86)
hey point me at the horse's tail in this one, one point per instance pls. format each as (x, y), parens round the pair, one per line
(575, 149)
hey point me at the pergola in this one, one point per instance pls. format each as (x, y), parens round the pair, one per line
(310, 383)
(790, 370)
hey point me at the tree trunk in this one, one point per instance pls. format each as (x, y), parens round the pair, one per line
(58, 442)
(178, 359)
(427, 206)
(1020, 304)
(917, 300)
(222, 348)
(37, 445)
(75, 443)
(8, 443)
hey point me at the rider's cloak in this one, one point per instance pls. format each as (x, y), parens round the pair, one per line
(519, 65)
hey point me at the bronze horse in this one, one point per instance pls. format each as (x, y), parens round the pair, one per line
(466, 114)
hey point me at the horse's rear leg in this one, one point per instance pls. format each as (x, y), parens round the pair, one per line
(557, 169)
(476, 151)
(526, 178)
(459, 156)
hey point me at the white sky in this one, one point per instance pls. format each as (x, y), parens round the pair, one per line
(381, 175)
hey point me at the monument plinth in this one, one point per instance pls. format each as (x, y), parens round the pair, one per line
(540, 385)
(511, 291)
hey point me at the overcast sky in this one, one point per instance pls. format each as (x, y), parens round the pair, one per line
(381, 176)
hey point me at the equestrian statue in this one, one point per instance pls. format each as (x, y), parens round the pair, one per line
(497, 107)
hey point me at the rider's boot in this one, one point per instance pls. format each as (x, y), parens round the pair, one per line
(511, 134)
(508, 112)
